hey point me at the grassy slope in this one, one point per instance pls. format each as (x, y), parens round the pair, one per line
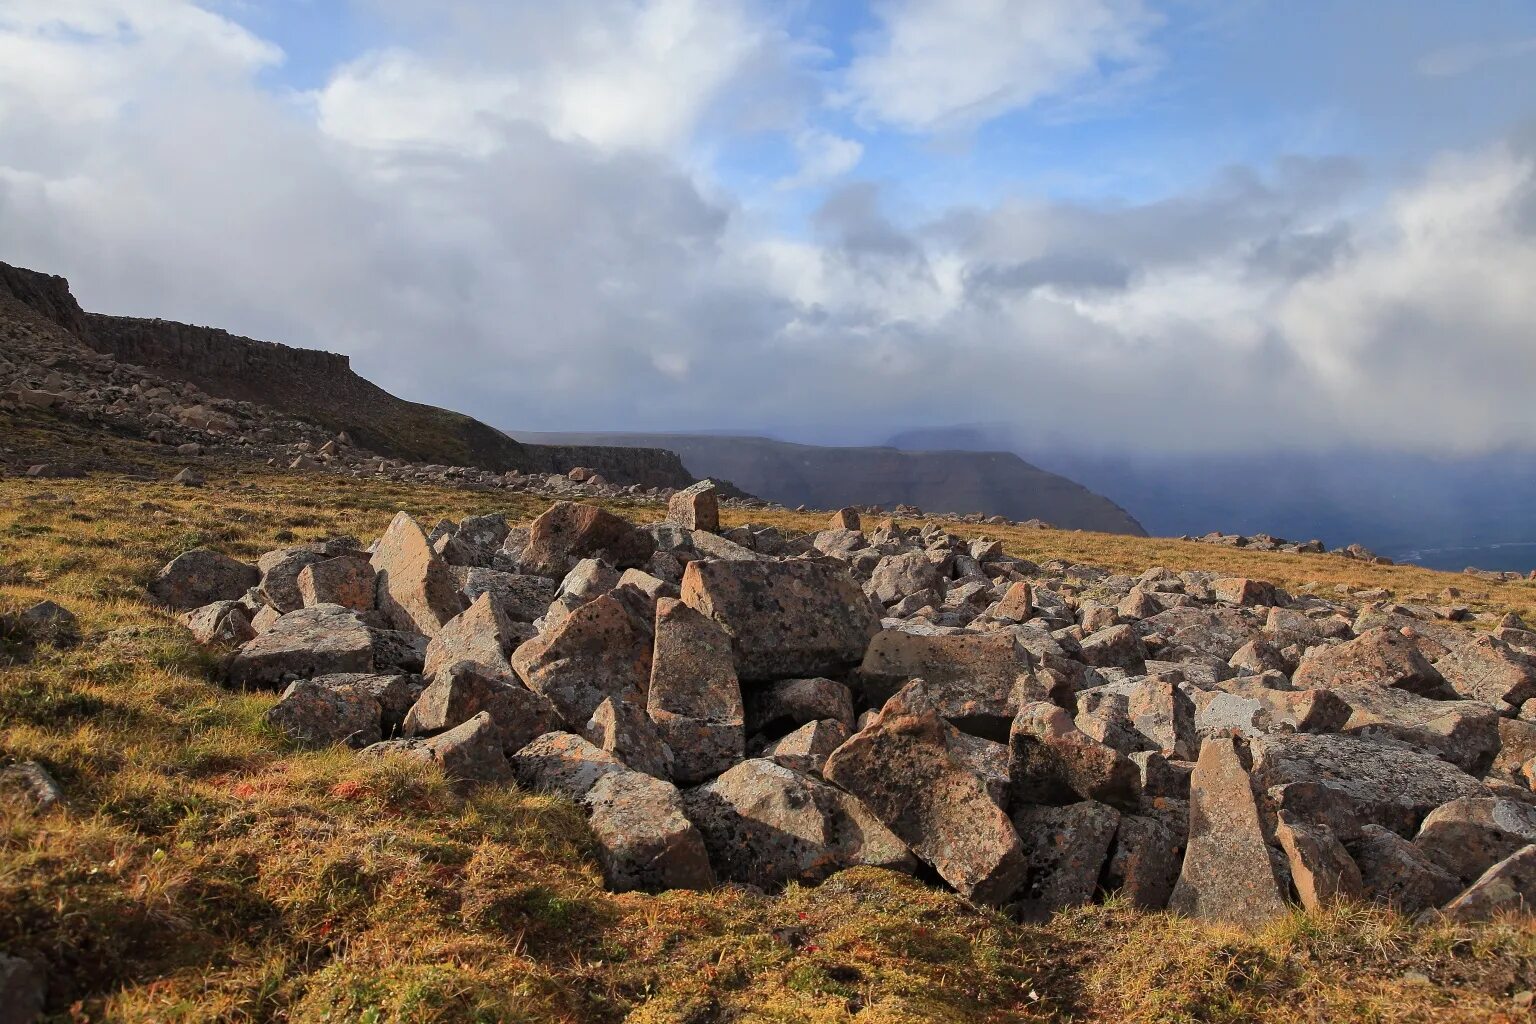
(205, 871)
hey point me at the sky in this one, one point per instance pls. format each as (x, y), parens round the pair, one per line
(1181, 226)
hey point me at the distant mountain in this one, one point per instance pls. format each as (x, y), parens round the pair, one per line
(1440, 512)
(995, 483)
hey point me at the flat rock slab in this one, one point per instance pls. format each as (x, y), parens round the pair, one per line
(978, 682)
(785, 619)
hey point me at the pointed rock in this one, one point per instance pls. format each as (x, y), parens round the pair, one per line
(626, 732)
(460, 691)
(598, 652)
(1322, 871)
(568, 532)
(481, 634)
(694, 697)
(415, 589)
(1508, 887)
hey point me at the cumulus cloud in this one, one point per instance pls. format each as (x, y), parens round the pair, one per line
(474, 243)
(941, 64)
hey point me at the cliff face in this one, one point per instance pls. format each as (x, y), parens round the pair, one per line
(322, 388)
(996, 483)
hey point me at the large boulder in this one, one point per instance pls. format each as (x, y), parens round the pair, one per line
(568, 532)
(765, 824)
(1114, 646)
(1227, 875)
(460, 691)
(901, 767)
(644, 839)
(416, 590)
(280, 572)
(1377, 657)
(521, 598)
(347, 580)
(694, 697)
(481, 634)
(977, 681)
(319, 641)
(785, 619)
(1508, 887)
(902, 575)
(1052, 761)
(1489, 670)
(696, 507)
(199, 577)
(314, 714)
(1346, 781)
(1467, 837)
(1463, 732)
(565, 764)
(598, 652)
(1395, 872)
(1144, 863)
(788, 704)
(1065, 849)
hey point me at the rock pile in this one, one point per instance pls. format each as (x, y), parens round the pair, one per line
(760, 707)
(1266, 542)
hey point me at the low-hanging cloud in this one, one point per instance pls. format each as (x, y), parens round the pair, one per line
(493, 249)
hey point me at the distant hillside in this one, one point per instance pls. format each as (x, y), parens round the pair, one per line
(995, 483)
(320, 387)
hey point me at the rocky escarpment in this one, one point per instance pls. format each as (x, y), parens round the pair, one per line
(320, 388)
(992, 483)
(763, 707)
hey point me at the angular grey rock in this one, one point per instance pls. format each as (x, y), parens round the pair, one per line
(460, 691)
(644, 840)
(23, 991)
(1508, 887)
(280, 571)
(568, 532)
(1396, 873)
(588, 580)
(988, 759)
(521, 598)
(901, 767)
(765, 824)
(564, 763)
(469, 754)
(1322, 870)
(200, 577)
(1489, 670)
(625, 731)
(596, 653)
(36, 783)
(978, 682)
(222, 622)
(1161, 710)
(313, 714)
(1465, 733)
(1052, 761)
(1467, 837)
(1065, 849)
(694, 697)
(1117, 646)
(302, 644)
(1227, 875)
(897, 576)
(415, 589)
(1346, 781)
(785, 619)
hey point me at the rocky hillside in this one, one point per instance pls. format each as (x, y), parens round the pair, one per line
(991, 483)
(321, 388)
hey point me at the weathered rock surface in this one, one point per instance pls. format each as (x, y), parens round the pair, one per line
(314, 714)
(785, 619)
(1064, 850)
(1395, 872)
(694, 697)
(1466, 837)
(598, 652)
(978, 682)
(481, 634)
(901, 767)
(462, 690)
(696, 507)
(568, 532)
(644, 839)
(1052, 761)
(625, 731)
(318, 641)
(1508, 887)
(1378, 657)
(416, 591)
(200, 577)
(1322, 870)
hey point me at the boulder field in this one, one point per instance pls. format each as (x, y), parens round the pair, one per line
(752, 706)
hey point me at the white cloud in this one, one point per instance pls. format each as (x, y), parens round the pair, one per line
(824, 156)
(939, 64)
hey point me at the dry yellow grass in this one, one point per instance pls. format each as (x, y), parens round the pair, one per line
(204, 871)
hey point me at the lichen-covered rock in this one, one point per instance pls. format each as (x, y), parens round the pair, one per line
(416, 591)
(1346, 781)
(302, 644)
(1052, 761)
(902, 575)
(1163, 712)
(1467, 837)
(1116, 646)
(785, 619)
(598, 652)
(200, 577)
(1488, 669)
(625, 731)
(568, 532)
(1395, 872)
(765, 824)
(696, 507)
(521, 598)
(1463, 732)
(1243, 592)
(481, 634)
(280, 571)
(460, 691)
(694, 697)
(313, 714)
(1322, 870)
(1065, 849)
(807, 748)
(1227, 875)
(978, 682)
(790, 703)
(563, 763)
(1508, 887)
(222, 622)
(1377, 657)
(644, 839)
(901, 767)
(470, 754)
(347, 580)
(1144, 862)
